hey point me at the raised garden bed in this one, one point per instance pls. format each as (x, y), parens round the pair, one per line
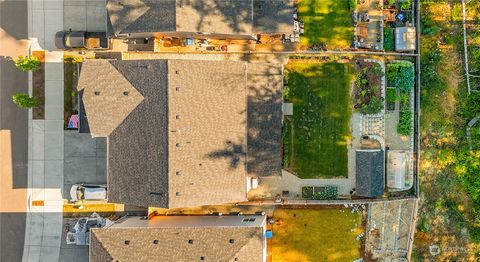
(368, 88)
(320, 193)
(391, 98)
(388, 39)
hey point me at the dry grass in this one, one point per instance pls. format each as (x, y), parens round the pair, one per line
(316, 235)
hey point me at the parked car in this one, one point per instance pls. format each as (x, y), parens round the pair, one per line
(81, 40)
(88, 192)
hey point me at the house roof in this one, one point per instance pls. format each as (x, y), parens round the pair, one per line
(405, 38)
(241, 17)
(180, 239)
(265, 96)
(185, 142)
(370, 173)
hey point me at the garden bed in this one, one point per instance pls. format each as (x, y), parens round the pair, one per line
(401, 75)
(316, 136)
(320, 193)
(70, 86)
(368, 88)
(38, 86)
(391, 99)
(388, 39)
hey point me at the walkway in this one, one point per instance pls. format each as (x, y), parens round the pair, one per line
(46, 145)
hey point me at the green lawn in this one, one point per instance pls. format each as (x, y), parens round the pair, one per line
(319, 129)
(326, 21)
(316, 235)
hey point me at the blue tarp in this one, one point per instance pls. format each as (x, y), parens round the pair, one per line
(269, 234)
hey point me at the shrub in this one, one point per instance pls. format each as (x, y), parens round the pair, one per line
(374, 106)
(352, 4)
(388, 39)
(405, 123)
(27, 63)
(405, 4)
(402, 75)
(307, 192)
(24, 100)
(391, 95)
(328, 193)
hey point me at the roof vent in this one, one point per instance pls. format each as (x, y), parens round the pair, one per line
(177, 72)
(202, 258)
(249, 219)
(97, 93)
(177, 116)
(177, 144)
(127, 242)
(190, 241)
(155, 241)
(232, 241)
(178, 173)
(125, 93)
(177, 88)
(178, 194)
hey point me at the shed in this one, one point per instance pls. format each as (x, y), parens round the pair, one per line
(370, 172)
(405, 39)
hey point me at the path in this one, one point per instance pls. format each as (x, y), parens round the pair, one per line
(45, 206)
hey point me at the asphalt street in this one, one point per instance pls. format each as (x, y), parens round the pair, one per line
(14, 122)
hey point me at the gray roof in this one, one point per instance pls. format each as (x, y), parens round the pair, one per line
(370, 173)
(179, 240)
(264, 83)
(240, 17)
(405, 38)
(186, 148)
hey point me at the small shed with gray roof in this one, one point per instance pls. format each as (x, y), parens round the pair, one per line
(370, 172)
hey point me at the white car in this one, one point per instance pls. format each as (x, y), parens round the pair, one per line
(88, 192)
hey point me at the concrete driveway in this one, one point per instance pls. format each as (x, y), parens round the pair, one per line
(84, 160)
(84, 15)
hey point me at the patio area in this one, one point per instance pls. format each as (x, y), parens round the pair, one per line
(369, 30)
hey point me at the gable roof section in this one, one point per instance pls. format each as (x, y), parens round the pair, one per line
(109, 98)
(273, 16)
(138, 148)
(141, 16)
(213, 242)
(207, 132)
(241, 17)
(370, 173)
(264, 85)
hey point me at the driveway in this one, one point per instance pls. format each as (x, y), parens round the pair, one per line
(85, 160)
(84, 15)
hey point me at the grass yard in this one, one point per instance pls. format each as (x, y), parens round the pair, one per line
(326, 21)
(316, 136)
(316, 235)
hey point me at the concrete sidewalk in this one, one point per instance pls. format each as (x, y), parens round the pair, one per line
(45, 181)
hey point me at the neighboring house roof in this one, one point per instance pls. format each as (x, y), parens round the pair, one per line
(180, 238)
(405, 39)
(240, 17)
(187, 148)
(370, 173)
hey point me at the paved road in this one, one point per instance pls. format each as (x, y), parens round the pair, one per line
(14, 128)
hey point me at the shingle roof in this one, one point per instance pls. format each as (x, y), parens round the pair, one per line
(243, 17)
(264, 85)
(187, 242)
(185, 143)
(370, 173)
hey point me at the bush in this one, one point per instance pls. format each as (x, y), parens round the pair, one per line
(374, 106)
(352, 4)
(307, 192)
(388, 39)
(405, 123)
(27, 63)
(328, 193)
(391, 95)
(402, 75)
(405, 4)
(24, 100)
